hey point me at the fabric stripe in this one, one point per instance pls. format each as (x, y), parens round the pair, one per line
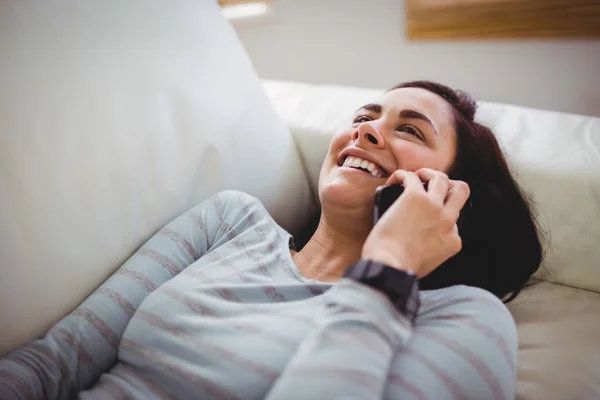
(404, 322)
(160, 361)
(82, 354)
(270, 290)
(139, 277)
(114, 392)
(485, 331)
(214, 350)
(102, 327)
(223, 226)
(66, 380)
(363, 340)
(402, 383)
(443, 300)
(197, 220)
(215, 257)
(220, 209)
(199, 223)
(180, 240)
(161, 259)
(222, 291)
(133, 375)
(126, 306)
(245, 328)
(273, 293)
(465, 353)
(187, 301)
(453, 387)
(22, 386)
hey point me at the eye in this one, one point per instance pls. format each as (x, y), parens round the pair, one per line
(411, 130)
(362, 118)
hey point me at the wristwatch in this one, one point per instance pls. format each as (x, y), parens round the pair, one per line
(401, 287)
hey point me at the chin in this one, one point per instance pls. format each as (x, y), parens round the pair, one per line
(344, 192)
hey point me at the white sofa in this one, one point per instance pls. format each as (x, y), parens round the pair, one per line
(117, 116)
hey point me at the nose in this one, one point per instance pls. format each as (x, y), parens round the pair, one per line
(368, 132)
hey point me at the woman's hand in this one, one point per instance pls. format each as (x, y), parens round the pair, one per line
(419, 232)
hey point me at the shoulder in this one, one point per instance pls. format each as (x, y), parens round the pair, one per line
(234, 206)
(235, 200)
(228, 201)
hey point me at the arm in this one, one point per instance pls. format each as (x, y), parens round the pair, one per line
(464, 346)
(349, 352)
(83, 345)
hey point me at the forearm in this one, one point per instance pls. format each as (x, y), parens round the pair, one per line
(349, 352)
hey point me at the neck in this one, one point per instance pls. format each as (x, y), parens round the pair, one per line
(336, 244)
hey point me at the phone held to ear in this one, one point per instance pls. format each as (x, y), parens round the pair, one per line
(385, 196)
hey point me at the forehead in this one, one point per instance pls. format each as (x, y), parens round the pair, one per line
(417, 99)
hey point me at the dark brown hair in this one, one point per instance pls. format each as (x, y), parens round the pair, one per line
(501, 240)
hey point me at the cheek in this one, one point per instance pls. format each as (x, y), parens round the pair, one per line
(338, 143)
(412, 157)
(340, 140)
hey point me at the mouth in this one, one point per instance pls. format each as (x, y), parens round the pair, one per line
(363, 165)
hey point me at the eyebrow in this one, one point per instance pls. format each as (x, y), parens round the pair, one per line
(412, 114)
(406, 114)
(376, 108)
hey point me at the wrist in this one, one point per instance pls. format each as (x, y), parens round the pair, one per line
(401, 287)
(393, 261)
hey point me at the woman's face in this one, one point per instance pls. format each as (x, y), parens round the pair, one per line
(410, 129)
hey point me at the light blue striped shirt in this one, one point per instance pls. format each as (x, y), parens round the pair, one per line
(213, 307)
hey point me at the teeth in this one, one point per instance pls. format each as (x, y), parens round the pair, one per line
(359, 162)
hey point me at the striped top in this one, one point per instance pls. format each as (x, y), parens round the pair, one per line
(213, 307)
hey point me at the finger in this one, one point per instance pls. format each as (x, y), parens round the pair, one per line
(409, 180)
(437, 183)
(458, 194)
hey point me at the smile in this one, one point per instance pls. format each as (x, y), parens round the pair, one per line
(364, 165)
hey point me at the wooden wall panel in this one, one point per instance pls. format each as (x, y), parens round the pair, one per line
(474, 19)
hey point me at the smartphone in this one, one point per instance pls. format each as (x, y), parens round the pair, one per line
(385, 196)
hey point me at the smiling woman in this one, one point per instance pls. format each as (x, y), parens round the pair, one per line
(218, 304)
(428, 125)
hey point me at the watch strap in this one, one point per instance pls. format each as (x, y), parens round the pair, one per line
(401, 287)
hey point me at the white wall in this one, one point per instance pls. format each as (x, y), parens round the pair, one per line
(361, 43)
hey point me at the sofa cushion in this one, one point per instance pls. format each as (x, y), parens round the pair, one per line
(115, 117)
(555, 156)
(559, 341)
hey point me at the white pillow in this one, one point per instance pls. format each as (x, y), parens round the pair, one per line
(555, 157)
(115, 117)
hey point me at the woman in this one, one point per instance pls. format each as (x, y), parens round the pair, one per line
(218, 305)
